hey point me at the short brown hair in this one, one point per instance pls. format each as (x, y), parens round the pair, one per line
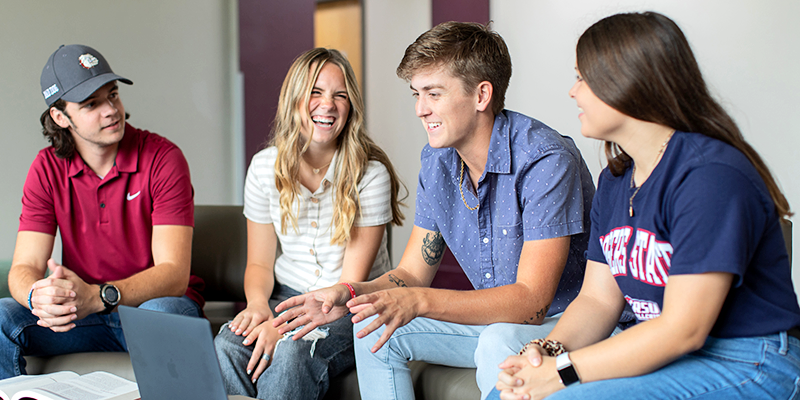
(470, 51)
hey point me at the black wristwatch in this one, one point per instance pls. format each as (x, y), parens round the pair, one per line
(565, 370)
(110, 296)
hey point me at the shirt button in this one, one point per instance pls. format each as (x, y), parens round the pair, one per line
(505, 232)
(316, 272)
(102, 205)
(313, 224)
(314, 200)
(488, 275)
(485, 240)
(311, 251)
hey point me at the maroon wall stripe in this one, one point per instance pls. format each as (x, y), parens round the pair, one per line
(450, 275)
(459, 10)
(271, 34)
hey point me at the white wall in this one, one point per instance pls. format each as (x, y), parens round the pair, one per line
(178, 53)
(389, 27)
(749, 52)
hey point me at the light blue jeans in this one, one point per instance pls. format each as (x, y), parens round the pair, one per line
(300, 370)
(766, 367)
(20, 336)
(385, 375)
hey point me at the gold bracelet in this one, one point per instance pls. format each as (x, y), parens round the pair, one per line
(552, 347)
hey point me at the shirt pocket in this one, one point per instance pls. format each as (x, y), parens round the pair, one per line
(507, 246)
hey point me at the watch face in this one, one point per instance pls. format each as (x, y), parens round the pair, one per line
(111, 294)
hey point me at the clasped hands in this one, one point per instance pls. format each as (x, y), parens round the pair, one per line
(62, 298)
(532, 375)
(395, 307)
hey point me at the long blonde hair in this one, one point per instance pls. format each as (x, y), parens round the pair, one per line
(355, 148)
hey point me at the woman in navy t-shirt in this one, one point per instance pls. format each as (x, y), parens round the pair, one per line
(685, 232)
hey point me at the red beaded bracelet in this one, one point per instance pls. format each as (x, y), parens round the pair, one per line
(350, 288)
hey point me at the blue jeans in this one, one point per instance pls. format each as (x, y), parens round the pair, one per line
(766, 367)
(385, 374)
(300, 369)
(22, 337)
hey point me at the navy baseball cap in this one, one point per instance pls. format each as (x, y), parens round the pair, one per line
(74, 72)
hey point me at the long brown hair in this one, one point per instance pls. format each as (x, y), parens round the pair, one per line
(642, 65)
(355, 147)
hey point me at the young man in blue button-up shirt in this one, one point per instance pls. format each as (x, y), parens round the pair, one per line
(508, 195)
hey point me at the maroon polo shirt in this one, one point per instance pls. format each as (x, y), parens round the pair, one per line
(107, 224)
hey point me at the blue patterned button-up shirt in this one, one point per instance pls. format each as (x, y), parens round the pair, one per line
(535, 185)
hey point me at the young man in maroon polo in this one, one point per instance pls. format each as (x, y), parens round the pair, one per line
(122, 200)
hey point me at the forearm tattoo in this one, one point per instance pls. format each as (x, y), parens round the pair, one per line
(397, 281)
(433, 248)
(539, 314)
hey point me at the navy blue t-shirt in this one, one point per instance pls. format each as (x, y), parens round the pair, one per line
(704, 208)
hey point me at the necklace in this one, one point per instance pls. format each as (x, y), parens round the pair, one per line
(316, 170)
(658, 158)
(460, 184)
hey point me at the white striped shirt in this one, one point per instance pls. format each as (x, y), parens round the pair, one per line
(309, 261)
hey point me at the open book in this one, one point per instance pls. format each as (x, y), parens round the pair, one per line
(67, 385)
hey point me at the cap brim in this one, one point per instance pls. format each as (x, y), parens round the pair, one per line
(84, 90)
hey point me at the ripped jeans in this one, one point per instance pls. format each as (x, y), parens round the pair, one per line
(300, 369)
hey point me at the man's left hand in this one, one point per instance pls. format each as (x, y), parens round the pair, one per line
(395, 308)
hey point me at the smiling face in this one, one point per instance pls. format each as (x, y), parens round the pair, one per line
(97, 122)
(598, 119)
(448, 113)
(328, 106)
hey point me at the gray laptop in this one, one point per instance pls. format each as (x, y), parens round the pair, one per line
(173, 356)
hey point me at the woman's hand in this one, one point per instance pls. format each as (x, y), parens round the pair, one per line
(527, 377)
(265, 337)
(249, 318)
(312, 309)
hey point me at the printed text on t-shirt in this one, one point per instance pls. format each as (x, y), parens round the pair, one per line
(649, 261)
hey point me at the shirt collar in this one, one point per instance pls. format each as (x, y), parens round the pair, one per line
(498, 160)
(127, 159)
(128, 153)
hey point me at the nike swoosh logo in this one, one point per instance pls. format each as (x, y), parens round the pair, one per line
(133, 196)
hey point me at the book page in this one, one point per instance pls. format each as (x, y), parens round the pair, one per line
(93, 386)
(13, 385)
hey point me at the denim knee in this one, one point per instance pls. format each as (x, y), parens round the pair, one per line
(14, 317)
(497, 339)
(173, 305)
(226, 340)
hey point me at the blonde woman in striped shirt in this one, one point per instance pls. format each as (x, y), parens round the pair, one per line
(326, 191)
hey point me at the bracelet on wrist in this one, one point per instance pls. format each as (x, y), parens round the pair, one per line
(30, 300)
(552, 347)
(350, 288)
